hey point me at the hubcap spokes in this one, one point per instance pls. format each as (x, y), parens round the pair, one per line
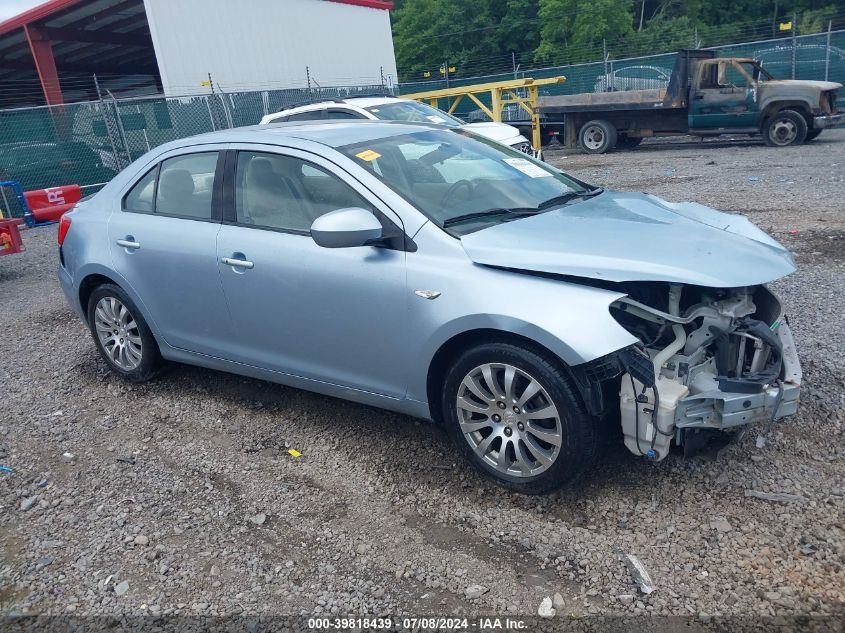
(118, 333)
(509, 419)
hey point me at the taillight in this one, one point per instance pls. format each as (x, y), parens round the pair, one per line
(64, 227)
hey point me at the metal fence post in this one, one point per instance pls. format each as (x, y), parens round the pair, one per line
(210, 115)
(794, 44)
(827, 50)
(120, 128)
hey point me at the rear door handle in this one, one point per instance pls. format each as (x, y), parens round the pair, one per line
(129, 242)
(237, 263)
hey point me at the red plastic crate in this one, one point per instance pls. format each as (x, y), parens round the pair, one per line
(10, 237)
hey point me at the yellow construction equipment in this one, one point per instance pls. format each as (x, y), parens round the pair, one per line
(502, 93)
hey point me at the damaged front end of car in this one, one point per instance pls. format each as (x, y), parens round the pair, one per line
(708, 359)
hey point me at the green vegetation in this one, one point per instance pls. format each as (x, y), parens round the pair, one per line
(485, 36)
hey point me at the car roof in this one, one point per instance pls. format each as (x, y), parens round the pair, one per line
(330, 133)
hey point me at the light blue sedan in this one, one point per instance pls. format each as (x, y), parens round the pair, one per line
(436, 273)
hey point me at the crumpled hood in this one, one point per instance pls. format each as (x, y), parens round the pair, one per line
(619, 237)
(500, 132)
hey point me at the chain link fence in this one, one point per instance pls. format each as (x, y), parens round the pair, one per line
(817, 57)
(88, 143)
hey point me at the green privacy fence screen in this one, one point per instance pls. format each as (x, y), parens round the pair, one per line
(88, 143)
(813, 60)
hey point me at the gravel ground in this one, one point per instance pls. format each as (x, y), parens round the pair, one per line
(180, 496)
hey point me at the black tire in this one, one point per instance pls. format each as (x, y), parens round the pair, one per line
(812, 134)
(784, 128)
(579, 431)
(628, 142)
(151, 363)
(597, 136)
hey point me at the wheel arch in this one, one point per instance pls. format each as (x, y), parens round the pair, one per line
(96, 275)
(450, 349)
(774, 107)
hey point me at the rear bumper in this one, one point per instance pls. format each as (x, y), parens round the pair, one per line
(724, 410)
(71, 294)
(829, 120)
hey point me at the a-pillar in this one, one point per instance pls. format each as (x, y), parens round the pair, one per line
(42, 52)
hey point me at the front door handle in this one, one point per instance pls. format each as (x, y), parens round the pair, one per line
(129, 242)
(237, 263)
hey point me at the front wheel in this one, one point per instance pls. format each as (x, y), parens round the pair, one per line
(597, 137)
(121, 335)
(518, 418)
(784, 128)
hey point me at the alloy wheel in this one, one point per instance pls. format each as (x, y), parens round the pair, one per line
(118, 333)
(509, 419)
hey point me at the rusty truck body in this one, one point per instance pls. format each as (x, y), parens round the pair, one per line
(706, 96)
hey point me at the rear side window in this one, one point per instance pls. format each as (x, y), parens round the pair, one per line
(140, 197)
(180, 187)
(185, 185)
(313, 115)
(343, 114)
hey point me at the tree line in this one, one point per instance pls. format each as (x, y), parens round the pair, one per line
(474, 37)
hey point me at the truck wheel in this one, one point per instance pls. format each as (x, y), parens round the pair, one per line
(628, 142)
(597, 137)
(783, 128)
(811, 134)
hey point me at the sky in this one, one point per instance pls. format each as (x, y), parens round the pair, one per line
(10, 8)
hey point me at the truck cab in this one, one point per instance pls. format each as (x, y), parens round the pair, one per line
(730, 93)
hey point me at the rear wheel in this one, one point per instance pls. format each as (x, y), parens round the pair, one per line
(812, 134)
(121, 335)
(597, 137)
(518, 418)
(784, 128)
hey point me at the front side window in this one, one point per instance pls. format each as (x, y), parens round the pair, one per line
(449, 174)
(287, 193)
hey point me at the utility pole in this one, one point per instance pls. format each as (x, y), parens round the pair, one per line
(642, 15)
(308, 79)
(210, 83)
(513, 63)
(604, 54)
(446, 71)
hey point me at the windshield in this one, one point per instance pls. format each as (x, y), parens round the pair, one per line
(413, 111)
(451, 174)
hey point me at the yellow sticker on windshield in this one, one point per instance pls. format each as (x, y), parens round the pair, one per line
(368, 155)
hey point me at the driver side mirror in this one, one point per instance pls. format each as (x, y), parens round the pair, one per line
(346, 228)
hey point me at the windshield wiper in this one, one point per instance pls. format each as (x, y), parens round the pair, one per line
(466, 217)
(569, 195)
